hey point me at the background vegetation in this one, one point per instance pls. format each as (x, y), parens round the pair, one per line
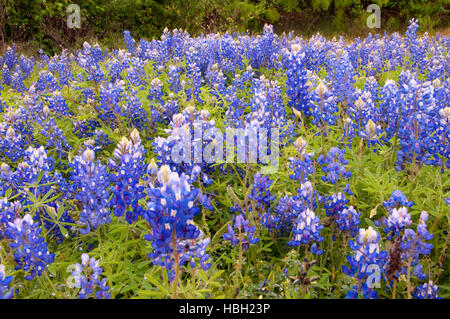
(42, 23)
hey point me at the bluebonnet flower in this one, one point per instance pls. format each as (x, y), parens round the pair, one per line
(155, 93)
(296, 88)
(349, 130)
(16, 132)
(62, 65)
(334, 204)
(427, 291)
(371, 132)
(347, 189)
(413, 45)
(365, 100)
(371, 86)
(260, 193)
(284, 215)
(163, 111)
(136, 73)
(46, 82)
(397, 221)
(10, 58)
(8, 212)
(195, 252)
(17, 79)
(85, 128)
(194, 75)
(334, 165)
(171, 210)
(6, 75)
(163, 148)
(340, 74)
(100, 140)
(363, 290)
(30, 249)
(234, 116)
(90, 186)
(262, 51)
(216, 80)
(268, 109)
(307, 196)
(170, 107)
(418, 272)
(6, 178)
(241, 233)
(12, 144)
(133, 110)
(415, 125)
(242, 81)
(306, 230)
(367, 256)
(6, 292)
(317, 51)
(397, 200)
(174, 78)
(390, 108)
(87, 279)
(57, 104)
(56, 140)
(435, 64)
(408, 244)
(109, 106)
(37, 173)
(302, 166)
(195, 130)
(414, 242)
(90, 59)
(128, 169)
(348, 220)
(436, 120)
(88, 95)
(129, 42)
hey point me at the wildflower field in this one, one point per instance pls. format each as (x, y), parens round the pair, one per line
(227, 166)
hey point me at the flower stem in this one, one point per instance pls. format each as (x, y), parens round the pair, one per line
(177, 265)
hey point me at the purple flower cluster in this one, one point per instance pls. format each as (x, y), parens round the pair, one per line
(334, 165)
(414, 242)
(284, 217)
(306, 230)
(397, 200)
(427, 291)
(127, 170)
(171, 211)
(87, 279)
(30, 249)
(366, 263)
(397, 221)
(348, 220)
(241, 233)
(260, 193)
(302, 165)
(91, 188)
